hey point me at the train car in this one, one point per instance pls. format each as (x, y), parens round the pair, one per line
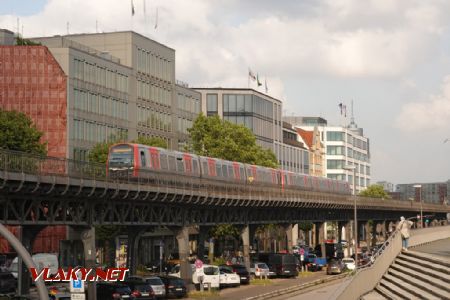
(138, 159)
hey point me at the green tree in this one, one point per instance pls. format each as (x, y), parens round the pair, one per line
(19, 133)
(375, 191)
(25, 42)
(214, 137)
(99, 153)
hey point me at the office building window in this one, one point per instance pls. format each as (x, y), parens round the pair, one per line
(211, 104)
(335, 150)
(335, 164)
(335, 136)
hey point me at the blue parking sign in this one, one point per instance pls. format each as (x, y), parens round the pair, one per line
(76, 284)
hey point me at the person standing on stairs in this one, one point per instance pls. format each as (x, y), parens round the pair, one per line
(404, 227)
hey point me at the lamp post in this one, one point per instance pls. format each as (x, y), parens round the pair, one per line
(418, 186)
(355, 216)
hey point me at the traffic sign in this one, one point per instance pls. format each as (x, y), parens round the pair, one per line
(77, 297)
(76, 286)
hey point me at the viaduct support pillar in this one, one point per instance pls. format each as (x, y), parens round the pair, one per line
(295, 234)
(88, 238)
(288, 230)
(134, 236)
(320, 236)
(383, 230)
(182, 235)
(245, 236)
(344, 235)
(202, 236)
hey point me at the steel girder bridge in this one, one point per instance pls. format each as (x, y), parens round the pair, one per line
(39, 190)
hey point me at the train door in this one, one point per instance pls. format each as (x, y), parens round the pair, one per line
(154, 156)
(187, 163)
(212, 167)
(237, 173)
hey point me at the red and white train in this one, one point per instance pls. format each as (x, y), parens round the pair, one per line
(136, 157)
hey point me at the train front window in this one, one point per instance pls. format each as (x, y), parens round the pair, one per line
(121, 156)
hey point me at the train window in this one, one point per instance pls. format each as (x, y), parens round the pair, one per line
(218, 170)
(230, 172)
(195, 166)
(143, 164)
(172, 163)
(242, 173)
(180, 165)
(205, 167)
(224, 171)
(164, 161)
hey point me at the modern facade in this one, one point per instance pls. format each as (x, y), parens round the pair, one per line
(262, 115)
(188, 108)
(434, 192)
(294, 155)
(387, 186)
(345, 146)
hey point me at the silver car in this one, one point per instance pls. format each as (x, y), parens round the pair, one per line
(157, 285)
(259, 269)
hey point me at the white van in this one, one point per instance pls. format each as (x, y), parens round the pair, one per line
(211, 275)
(41, 260)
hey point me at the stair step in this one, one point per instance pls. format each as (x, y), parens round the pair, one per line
(412, 290)
(386, 293)
(374, 295)
(417, 283)
(428, 271)
(395, 290)
(426, 264)
(435, 280)
(429, 257)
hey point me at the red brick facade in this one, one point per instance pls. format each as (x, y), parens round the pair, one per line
(32, 82)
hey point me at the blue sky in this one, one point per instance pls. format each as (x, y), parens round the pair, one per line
(391, 57)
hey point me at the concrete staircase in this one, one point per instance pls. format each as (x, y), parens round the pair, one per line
(414, 275)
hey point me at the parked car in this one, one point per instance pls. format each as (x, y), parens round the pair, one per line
(157, 285)
(113, 291)
(335, 266)
(210, 275)
(313, 267)
(241, 270)
(7, 282)
(228, 278)
(141, 290)
(41, 260)
(283, 264)
(349, 263)
(259, 269)
(175, 287)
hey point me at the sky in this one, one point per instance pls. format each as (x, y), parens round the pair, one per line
(391, 58)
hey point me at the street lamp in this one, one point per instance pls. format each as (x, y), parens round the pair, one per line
(418, 186)
(355, 217)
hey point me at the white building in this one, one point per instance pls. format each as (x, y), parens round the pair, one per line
(345, 146)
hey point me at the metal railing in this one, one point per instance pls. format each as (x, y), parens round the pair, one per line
(42, 166)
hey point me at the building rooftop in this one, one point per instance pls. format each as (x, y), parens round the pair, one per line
(307, 136)
(236, 89)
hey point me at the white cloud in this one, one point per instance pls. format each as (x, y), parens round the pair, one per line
(431, 114)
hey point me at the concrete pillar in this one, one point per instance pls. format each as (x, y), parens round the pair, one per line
(182, 236)
(313, 236)
(348, 238)
(134, 236)
(27, 235)
(367, 232)
(245, 236)
(295, 234)
(202, 237)
(88, 238)
(320, 236)
(288, 233)
(383, 230)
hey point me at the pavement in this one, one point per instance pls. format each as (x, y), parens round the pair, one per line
(439, 248)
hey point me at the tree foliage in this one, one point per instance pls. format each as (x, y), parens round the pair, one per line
(305, 226)
(224, 230)
(214, 137)
(26, 42)
(99, 153)
(375, 191)
(19, 133)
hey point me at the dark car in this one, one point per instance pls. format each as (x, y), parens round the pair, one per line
(113, 291)
(283, 264)
(243, 273)
(313, 267)
(175, 286)
(7, 282)
(141, 290)
(335, 266)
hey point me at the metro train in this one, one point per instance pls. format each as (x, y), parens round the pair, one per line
(137, 158)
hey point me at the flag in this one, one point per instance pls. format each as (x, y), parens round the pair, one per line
(341, 106)
(345, 110)
(265, 85)
(257, 80)
(251, 75)
(132, 8)
(156, 19)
